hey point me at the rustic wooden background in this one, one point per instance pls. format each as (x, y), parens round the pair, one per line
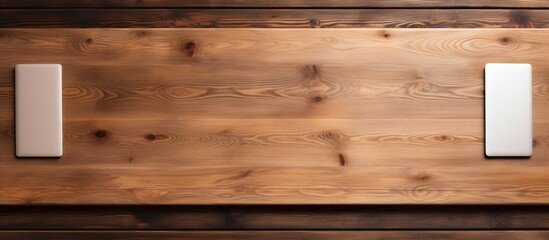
(164, 105)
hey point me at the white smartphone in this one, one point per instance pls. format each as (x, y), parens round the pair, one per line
(38, 110)
(508, 109)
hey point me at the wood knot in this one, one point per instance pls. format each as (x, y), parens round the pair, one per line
(316, 90)
(421, 85)
(143, 34)
(534, 142)
(504, 40)
(89, 41)
(441, 138)
(522, 19)
(314, 22)
(385, 34)
(226, 132)
(422, 177)
(150, 137)
(101, 133)
(189, 48)
(317, 99)
(342, 161)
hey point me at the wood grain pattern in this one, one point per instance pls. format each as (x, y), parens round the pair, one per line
(274, 3)
(275, 143)
(272, 235)
(321, 74)
(282, 185)
(341, 47)
(274, 18)
(272, 217)
(274, 116)
(165, 118)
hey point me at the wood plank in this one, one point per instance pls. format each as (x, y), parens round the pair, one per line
(343, 47)
(353, 217)
(123, 184)
(274, 143)
(274, 18)
(305, 91)
(111, 217)
(349, 74)
(395, 217)
(274, 4)
(272, 235)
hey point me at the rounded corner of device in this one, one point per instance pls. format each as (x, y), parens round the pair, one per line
(18, 67)
(58, 154)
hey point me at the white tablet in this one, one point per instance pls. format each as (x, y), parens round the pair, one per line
(38, 113)
(508, 110)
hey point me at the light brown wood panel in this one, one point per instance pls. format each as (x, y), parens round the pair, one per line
(275, 143)
(119, 184)
(167, 92)
(349, 74)
(274, 3)
(302, 91)
(245, 47)
(276, 235)
(240, 116)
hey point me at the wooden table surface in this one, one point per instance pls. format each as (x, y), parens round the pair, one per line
(274, 116)
(212, 119)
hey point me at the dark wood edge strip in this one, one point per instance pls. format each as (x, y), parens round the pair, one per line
(274, 4)
(287, 235)
(272, 217)
(272, 18)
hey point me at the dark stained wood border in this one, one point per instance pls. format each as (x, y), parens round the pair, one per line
(357, 217)
(271, 235)
(275, 3)
(273, 18)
